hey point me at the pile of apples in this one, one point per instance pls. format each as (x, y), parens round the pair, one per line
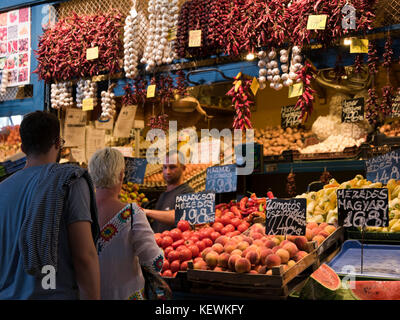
(130, 194)
(183, 244)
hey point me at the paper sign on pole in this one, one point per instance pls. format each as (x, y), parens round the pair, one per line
(75, 117)
(95, 140)
(125, 122)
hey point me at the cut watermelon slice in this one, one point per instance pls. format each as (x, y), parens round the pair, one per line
(375, 290)
(321, 285)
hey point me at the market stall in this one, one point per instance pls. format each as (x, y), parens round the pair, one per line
(317, 81)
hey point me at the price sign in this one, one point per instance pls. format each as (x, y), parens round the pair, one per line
(316, 22)
(255, 86)
(196, 208)
(353, 110)
(151, 91)
(172, 34)
(92, 53)
(363, 207)
(384, 167)
(296, 90)
(87, 104)
(396, 106)
(286, 217)
(221, 179)
(194, 38)
(135, 169)
(75, 117)
(359, 45)
(290, 116)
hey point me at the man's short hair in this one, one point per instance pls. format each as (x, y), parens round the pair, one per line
(105, 167)
(39, 131)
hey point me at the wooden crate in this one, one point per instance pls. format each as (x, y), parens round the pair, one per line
(259, 286)
(330, 245)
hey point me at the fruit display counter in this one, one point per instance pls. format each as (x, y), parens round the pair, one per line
(10, 142)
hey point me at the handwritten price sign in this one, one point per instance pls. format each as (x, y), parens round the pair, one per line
(221, 179)
(196, 208)
(384, 167)
(317, 22)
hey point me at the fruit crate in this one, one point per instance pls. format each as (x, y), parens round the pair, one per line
(277, 286)
(330, 246)
(179, 282)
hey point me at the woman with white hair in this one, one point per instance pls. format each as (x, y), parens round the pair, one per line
(126, 241)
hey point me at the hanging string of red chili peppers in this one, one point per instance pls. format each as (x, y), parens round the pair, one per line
(372, 107)
(181, 83)
(305, 101)
(358, 62)
(388, 90)
(241, 101)
(373, 58)
(61, 51)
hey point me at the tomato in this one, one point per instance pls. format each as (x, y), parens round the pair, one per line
(243, 227)
(186, 234)
(165, 265)
(166, 241)
(178, 243)
(167, 273)
(225, 220)
(194, 239)
(185, 254)
(165, 233)
(198, 259)
(188, 242)
(215, 236)
(184, 266)
(218, 219)
(167, 250)
(236, 221)
(207, 242)
(181, 247)
(201, 245)
(159, 241)
(217, 226)
(176, 234)
(229, 214)
(175, 266)
(173, 255)
(195, 250)
(183, 225)
(230, 227)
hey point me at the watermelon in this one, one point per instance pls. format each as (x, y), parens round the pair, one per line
(321, 285)
(375, 290)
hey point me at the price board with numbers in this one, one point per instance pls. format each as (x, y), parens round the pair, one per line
(286, 217)
(353, 110)
(363, 207)
(196, 208)
(384, 167)
(221, 179)
(290, 116)
(396, 106)
(135, 169)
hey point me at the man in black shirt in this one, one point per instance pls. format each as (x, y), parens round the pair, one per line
(164, 212)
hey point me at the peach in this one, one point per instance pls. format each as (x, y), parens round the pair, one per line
(205, 252)
(300, 255)
(243, 245)
(238, 238)
(315, 231)
(284, 242)
(258, 227)
(230, 246)
(291, 238)
(232, 261)
(200, 265)
(217, 247)
(309, 234)
(301, 242)
(276, 240)
(269, 272)
(242, 265)
(261, 269)
(324, 234)
(255, 235)
(253, 247)
(284, 254)
(253, 257)
(285, 267)
(258, 243)
(222, 240)
(273, 260)
(218, 269)
(323, 225)
(253, 272)
(264, 253)
(223, 260)
(237, 251)
(270, 244)
(291, 263)
(312, 225)
(247, 239)
(275, 249)
(212, 259)
(291, 248)
(319, 239)
(330, 229)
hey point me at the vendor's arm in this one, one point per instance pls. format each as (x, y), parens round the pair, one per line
(165, 217)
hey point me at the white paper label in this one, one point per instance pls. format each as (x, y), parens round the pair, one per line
(95, 140)
(125, 122)
(74, 136)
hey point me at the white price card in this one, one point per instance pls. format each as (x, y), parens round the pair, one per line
(125, 122)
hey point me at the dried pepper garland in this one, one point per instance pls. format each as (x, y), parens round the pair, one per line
(388, 54)
(387, 100)
(165, 87)
(241, 100)
(159, 122)
(372, 107)
(358, 61)
(62, 49)
(291, 185)
(305, 101)
(181, 83)
(128, 99)
(373, 58)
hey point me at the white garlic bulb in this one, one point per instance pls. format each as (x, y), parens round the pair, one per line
(61, 95)
(86, 89)
(108, 104)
